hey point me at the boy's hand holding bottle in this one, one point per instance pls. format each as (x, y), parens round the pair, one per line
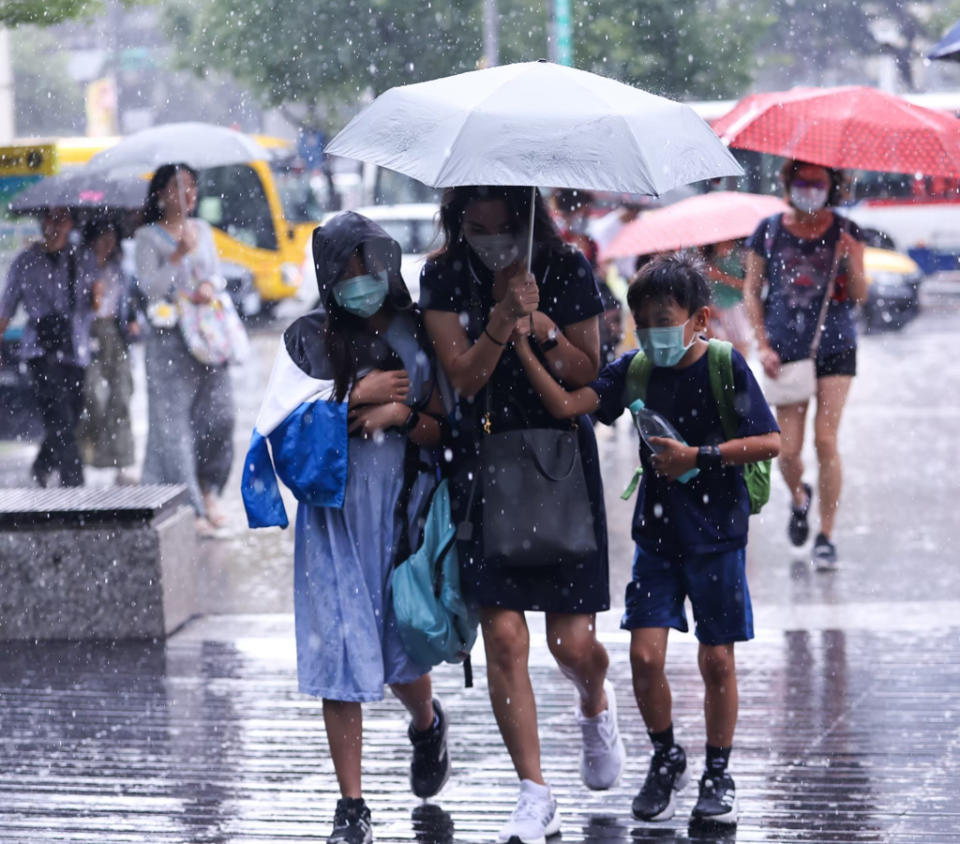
(672, 458)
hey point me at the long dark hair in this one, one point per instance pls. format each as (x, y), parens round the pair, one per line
(152, 212)
(517, 199)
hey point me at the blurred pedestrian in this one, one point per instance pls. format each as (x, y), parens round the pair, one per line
(473, 290)
(360, 364)
(572, 212)
(58, 297)
(691, 536)
(811, 260)
(105, 431)
(728, 314)
(191, 407)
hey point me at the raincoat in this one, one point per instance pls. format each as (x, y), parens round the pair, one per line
(347, 525)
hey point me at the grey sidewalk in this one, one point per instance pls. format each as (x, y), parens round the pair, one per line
(845, 735)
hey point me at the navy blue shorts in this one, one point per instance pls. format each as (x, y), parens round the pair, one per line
(715, 583)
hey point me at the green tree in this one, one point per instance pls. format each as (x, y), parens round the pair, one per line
(324, 57)
(43, 12)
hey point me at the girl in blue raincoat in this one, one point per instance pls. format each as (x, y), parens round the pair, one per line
(351, 415)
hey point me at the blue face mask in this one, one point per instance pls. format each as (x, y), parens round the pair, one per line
(664, 346)
(362, 295)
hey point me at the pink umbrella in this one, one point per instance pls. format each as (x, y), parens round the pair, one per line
(697, 221)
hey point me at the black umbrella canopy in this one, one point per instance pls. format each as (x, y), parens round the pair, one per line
(81, 190)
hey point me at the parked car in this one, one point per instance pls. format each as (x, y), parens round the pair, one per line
(414, 226)
(893, 295)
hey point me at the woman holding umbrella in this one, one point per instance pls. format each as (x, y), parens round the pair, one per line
(191, 408)
(812, 261)
(476, 294)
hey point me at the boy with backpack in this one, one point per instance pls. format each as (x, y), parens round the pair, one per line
(690, 533)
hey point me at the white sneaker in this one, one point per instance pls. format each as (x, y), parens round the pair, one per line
(535, 818)
(602, 755)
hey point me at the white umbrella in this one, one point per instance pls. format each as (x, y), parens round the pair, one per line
(536, 123)
(200, 145)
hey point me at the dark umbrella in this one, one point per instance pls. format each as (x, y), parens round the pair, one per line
(81, 190)
(948, 47)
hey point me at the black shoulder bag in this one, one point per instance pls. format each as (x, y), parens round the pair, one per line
(534, 508)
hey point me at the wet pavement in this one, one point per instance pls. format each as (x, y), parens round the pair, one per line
(849, 728)
(844, 736)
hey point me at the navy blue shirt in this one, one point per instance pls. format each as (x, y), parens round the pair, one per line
(797, 273)
(708, 514)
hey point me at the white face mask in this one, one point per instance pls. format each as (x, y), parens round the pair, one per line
(496, 251)
(808, 200)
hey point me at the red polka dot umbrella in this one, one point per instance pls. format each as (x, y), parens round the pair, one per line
(849, 128)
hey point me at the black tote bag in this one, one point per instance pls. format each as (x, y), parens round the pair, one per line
(535, 505)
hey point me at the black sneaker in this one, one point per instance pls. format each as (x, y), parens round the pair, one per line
(824, 554)
(430, 767)
(668, 774)
(717, 802)
(799, 529)
(351, 822)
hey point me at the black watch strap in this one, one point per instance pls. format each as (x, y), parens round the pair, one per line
(708, 457)
(412, 421)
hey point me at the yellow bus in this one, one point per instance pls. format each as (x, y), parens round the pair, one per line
(263, 212)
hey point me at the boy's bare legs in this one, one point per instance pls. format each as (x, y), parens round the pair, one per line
(721, 700)
(648, 654)
(792, 420)
(572, 640)
(506, 642)
(344, 722)
(832, 395)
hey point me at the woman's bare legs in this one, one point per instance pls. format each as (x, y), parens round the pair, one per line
(506, 641)
(792, 419)
(572, 640)
(832, 393)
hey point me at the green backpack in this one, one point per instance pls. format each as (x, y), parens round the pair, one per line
(720, 364)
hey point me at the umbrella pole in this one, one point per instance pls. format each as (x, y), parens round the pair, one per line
(533, 206)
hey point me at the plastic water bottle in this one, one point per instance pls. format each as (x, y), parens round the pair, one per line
(649, 424)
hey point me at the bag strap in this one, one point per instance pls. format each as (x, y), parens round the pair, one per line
(828, 294)
(720, 368)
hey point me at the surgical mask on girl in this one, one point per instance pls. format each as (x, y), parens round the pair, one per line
(664, 345)
(496, 251)
(808, 200)
(362, 295)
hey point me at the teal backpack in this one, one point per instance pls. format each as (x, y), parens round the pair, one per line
(720, 364)
(434, 621)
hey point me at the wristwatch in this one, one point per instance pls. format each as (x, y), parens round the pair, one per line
(708, 457)
(551, 342)
(411, 422)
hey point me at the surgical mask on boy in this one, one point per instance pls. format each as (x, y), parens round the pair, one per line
(496, 251)
(664, 345)
(808, 200)
(362, 295)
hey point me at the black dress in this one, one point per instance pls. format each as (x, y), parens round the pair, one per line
(568, 294)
